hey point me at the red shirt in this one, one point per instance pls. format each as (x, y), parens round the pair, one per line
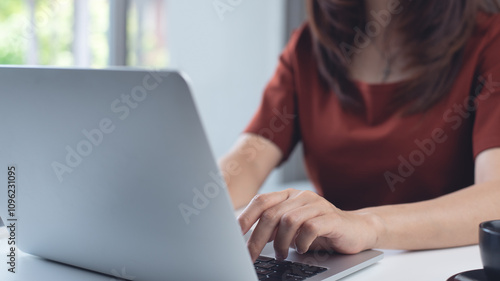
(379, 157)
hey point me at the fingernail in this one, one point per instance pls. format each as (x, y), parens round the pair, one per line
(279, 257)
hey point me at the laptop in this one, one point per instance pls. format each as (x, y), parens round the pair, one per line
(113, 172)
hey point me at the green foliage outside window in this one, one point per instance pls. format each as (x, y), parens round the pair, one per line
(13, 19)
(52, 32)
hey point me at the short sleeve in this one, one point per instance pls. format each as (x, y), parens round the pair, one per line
(486, 132)
(277, 117)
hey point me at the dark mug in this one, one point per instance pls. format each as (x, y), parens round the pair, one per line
(489, 244)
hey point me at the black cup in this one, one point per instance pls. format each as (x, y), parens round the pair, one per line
(489, 243)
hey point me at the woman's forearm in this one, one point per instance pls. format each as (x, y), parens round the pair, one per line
(241, 183)
(448, 221)
(246, 167)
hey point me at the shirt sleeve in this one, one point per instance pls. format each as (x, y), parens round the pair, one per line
(486, 132)
(277, 117)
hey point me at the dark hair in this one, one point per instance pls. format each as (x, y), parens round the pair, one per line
(435, 33)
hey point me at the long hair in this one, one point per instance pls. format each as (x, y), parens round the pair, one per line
(434, 36)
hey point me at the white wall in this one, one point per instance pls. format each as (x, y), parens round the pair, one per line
(229, 57)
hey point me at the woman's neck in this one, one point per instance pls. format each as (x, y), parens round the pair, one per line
(383, 12)
(376, 5)
(381, 61)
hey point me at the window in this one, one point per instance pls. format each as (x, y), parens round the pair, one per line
(12, 43)
(86, 33)
(146, 33)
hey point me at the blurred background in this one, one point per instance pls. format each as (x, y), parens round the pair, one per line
(229, 49)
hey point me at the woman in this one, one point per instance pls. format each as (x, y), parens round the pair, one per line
(397, 104)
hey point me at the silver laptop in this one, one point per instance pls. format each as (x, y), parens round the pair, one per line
(114, 173)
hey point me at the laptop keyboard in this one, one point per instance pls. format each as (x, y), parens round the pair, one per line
(273, 270)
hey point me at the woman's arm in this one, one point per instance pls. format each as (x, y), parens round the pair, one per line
(247, 165)
(305, 221)
(450, 220)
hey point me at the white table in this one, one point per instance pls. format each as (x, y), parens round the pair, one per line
(432, 265)
(421, 265)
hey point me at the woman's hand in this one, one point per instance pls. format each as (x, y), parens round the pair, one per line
(306, 221)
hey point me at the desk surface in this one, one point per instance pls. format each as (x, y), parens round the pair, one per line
(396, 266)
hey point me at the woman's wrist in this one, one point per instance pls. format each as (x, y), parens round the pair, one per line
(375, 226)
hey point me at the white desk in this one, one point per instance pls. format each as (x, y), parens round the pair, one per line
(433, 265)
(421, 265)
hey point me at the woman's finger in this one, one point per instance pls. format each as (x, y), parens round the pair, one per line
(289, 225)
(312, 229)
(258, 205)
(269, 222)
